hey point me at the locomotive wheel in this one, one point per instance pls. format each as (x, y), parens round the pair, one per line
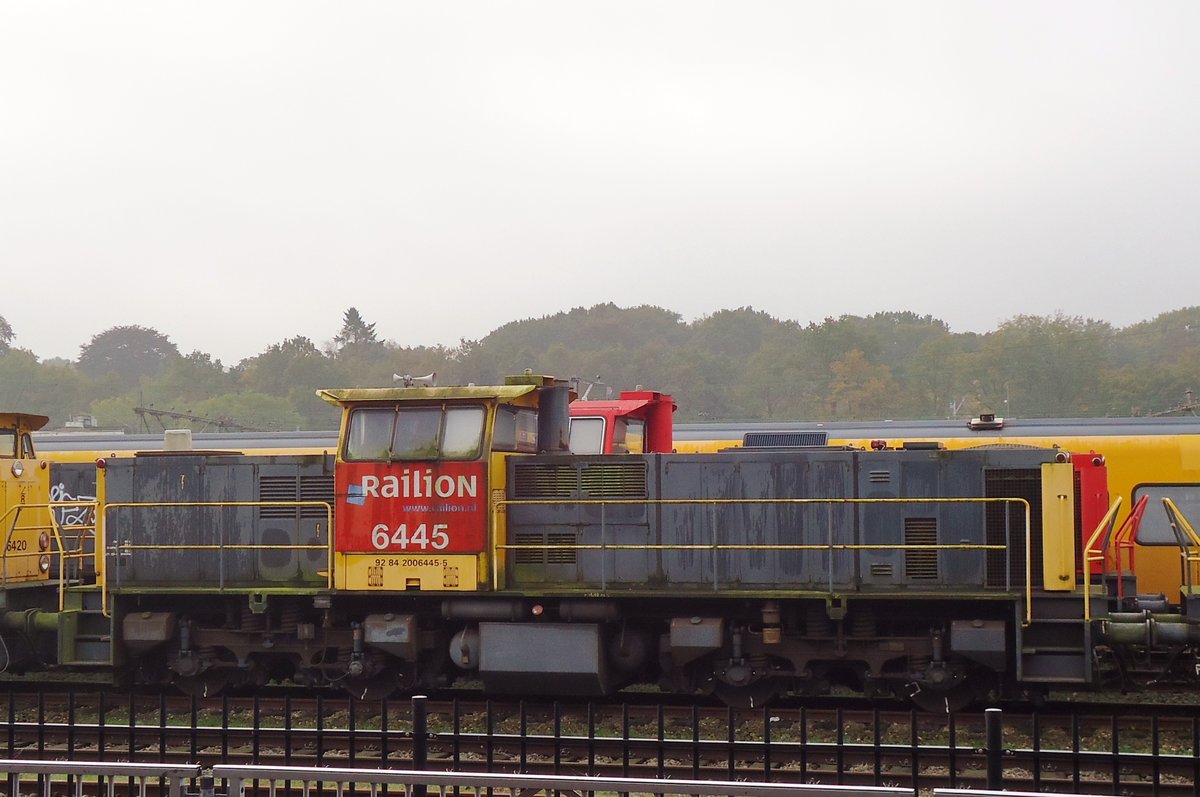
(206, 684)
(753, 695)
(944, 701)
(376, 687)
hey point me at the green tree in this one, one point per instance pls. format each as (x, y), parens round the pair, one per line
(115, 413)
(189, 378)
(253, 410)
(1043, 366)
(128, 352)
(54, 390)
(6, 334)
(267, 372)
(293, 370)
(355, 331)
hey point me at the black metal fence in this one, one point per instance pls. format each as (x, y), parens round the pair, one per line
(1132, 751)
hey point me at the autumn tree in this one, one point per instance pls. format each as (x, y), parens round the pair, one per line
(860, 389)
(127, 352)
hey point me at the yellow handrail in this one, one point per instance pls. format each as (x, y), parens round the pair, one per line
(1092, 554)
(57, 547)
(500, 505)
(327, 547)
(1188, 539)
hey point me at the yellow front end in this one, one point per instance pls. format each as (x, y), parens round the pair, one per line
(25, 520)
(404, 572)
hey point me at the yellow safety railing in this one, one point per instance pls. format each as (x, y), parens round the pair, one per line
(714, 546)
(1092, 554)
(126, 547)
(1187, 540)
(55, 532)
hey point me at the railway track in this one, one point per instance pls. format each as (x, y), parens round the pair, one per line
(1136, 750)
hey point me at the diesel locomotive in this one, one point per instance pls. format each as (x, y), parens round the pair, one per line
(452, 534)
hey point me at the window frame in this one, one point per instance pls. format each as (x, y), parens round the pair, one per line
(444, 409)
(1160, 521)
(603, 432)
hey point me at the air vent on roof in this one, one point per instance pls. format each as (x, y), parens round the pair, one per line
(775, 439)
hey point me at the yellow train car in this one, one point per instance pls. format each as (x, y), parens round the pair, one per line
(1153, 457)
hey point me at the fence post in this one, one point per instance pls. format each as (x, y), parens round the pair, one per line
(992, 718)
(420, 750)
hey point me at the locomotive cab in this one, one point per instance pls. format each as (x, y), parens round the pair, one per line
(24, 501)
(415, 469)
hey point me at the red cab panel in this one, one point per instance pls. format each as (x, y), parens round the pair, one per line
(411, 507)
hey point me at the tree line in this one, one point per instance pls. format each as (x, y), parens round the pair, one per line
(738, 364)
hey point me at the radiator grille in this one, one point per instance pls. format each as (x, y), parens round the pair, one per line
(528, 556)
(539, 481)
(316, 488)
(536, 481)
(560, 556)
(614, 480)
(294, 488)
(541, 556)
(1008, 567)
(921, 565)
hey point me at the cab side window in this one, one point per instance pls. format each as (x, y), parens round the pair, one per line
(1155, 529)
(8, 443)
(515, 429)
(587, 435)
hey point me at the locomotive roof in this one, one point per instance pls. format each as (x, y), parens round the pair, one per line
(503, 393)
(23, 420)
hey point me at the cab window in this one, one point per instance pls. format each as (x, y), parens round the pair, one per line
(515, 429)
(370, 434)
(629, 436)
(587, 435)
(1155, 529)
(414, 433)
(8, 443)
(463, 434)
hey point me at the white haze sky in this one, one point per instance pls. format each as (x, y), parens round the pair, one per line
(236, 173)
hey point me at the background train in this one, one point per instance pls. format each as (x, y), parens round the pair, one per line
(450, 532)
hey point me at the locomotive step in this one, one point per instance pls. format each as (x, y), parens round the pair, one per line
(1069, 666)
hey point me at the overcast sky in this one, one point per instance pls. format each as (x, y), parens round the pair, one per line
(236, 173)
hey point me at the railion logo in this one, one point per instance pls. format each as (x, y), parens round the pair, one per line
(413, 483)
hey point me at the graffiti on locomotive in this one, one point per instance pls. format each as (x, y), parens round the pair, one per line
(412, 508)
